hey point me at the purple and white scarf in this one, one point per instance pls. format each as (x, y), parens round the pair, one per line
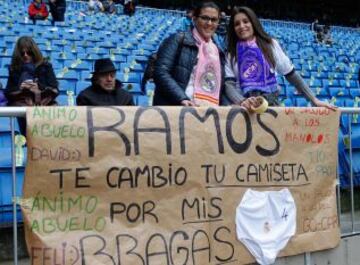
(254, 70)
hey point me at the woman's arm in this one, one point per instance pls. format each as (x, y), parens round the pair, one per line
(285, 67)
(296, 80)
(49, 89)
(51, 82)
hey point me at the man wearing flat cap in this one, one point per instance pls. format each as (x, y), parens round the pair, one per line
(105, 89)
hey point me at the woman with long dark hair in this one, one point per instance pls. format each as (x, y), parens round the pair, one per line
(252, 60)
(189, 69)
(31, 80)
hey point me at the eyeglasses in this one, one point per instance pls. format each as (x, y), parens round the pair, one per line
(214, 20)
(26, 52)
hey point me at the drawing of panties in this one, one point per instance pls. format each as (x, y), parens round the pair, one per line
(265, 222)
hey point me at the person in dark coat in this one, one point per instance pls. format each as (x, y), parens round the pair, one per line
(31, 81)
(129, 7)
(57, 10)
(105, 89)
(189, 70)
(109, 7)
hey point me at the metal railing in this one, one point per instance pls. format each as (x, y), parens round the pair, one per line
(14, 112)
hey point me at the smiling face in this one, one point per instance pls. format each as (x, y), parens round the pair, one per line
(243, 27)
(207, 22)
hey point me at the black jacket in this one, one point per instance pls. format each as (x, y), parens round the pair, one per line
(58, 3)
(57, 10)
(94, 95)
(177, 56)
(47, 83)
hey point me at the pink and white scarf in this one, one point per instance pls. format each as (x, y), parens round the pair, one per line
(207, 82)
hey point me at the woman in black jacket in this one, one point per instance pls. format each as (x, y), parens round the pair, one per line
(189, 69)
(31, 80)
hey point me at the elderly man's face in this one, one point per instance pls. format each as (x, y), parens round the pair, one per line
(107, 81)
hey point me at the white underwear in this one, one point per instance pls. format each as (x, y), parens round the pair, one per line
(265, 221)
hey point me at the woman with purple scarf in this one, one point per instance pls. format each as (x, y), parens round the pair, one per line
(253, 59)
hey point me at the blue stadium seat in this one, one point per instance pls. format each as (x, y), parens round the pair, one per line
(66, 74)
(88, 57)
(132, 67)
(337, 101)
(85, 75)
(338, 92)
(74, 49)
(78, 65)
(9, 41)
(63, 56)
(66, 85)
(132, 87)
(62, 100)
(6, 184)
(287, 102)
(81, 85)
(315, 83)
(4, 73)
(6, 209)
(5, 62)
(118, 59)
(129, 78)
(5, 125)
(348, 83)
(354, 92)
(302, 102)
(331, 83)
(97, 50)
(141, 59)
(141, 100)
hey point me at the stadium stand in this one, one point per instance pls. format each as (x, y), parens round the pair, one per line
(73, 45)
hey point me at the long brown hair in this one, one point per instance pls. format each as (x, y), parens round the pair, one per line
(28, 44)
(263, 39)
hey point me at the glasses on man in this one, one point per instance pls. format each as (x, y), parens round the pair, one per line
(207, 19)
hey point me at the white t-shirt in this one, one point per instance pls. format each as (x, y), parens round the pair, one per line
(189, 91)
(282, 62)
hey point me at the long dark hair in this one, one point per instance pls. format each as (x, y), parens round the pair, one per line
(263, 39)
(28, 44)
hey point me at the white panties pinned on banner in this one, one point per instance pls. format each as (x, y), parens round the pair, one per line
(265, 222)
